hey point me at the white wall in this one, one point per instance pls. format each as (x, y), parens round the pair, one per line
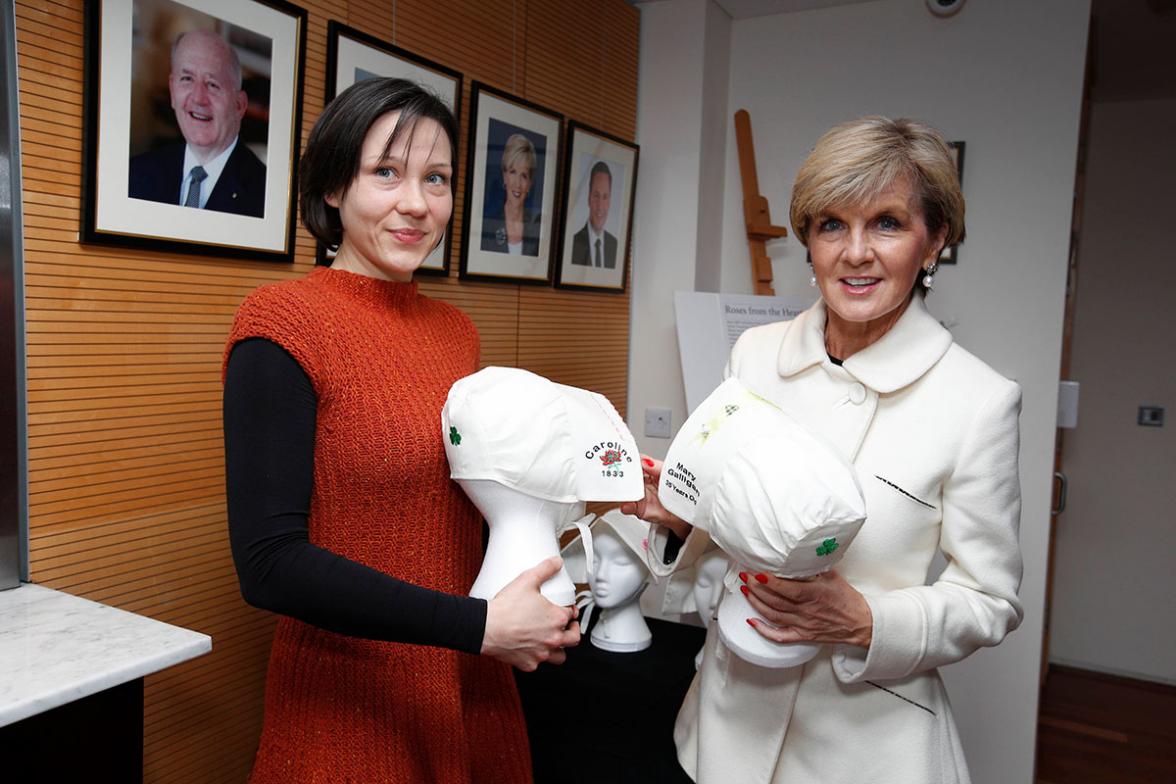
(1006, 77)
(681, 100)
(1113, 606)
(715, 77)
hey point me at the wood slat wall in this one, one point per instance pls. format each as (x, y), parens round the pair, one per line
(126, 468)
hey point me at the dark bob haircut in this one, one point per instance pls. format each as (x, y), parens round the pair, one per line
(332, 157)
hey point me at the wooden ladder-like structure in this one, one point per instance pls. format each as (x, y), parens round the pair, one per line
(756, 215)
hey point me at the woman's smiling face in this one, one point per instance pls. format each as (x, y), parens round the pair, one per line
(396, 209)
(866, 258)
(517, 177)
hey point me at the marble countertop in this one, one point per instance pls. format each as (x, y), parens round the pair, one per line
(56, 648)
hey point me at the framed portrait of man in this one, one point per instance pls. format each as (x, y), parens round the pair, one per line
(353, 56)
(192, 121)
(508, 224)
(600, 176)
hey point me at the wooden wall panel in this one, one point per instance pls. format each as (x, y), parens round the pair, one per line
(126, 469)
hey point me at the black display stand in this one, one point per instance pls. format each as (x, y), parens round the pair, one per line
(608, 718)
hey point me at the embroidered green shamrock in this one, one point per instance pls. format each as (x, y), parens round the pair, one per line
(827, 547)
(454, 436)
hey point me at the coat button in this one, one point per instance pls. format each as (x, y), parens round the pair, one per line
(857, 394)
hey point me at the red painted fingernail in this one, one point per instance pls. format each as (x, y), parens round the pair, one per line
(745, 590)
(763, 578)
(751, 622)
(743, 576)
(647, 461)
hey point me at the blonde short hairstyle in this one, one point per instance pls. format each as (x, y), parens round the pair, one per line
(518, 147)
(856, 161)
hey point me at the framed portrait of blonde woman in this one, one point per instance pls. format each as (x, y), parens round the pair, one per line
(600, 176)
(512, 172)
(353, 56)
(192, 124)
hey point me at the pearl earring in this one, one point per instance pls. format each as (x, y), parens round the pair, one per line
(813, 281)
(929, 278)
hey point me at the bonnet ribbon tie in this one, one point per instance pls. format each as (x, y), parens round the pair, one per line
(583, 599)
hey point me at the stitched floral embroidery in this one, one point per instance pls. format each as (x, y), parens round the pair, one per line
(611, 457)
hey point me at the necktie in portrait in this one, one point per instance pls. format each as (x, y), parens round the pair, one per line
(195, 177)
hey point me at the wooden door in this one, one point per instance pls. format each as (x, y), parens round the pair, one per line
(1057, 506)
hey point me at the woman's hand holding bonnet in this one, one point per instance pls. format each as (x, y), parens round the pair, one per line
(523, 629)
(823, 609)
(650, 508)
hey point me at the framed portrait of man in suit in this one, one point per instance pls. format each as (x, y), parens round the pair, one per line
(192, 122)
(600, 177)
(353, 56)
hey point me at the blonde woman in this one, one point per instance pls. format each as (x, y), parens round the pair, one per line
(933, 434)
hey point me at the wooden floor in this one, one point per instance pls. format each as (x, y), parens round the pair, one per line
(1102, 729)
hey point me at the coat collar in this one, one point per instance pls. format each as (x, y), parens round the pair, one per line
(912, 346)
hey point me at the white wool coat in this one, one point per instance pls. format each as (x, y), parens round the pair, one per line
(933, 434)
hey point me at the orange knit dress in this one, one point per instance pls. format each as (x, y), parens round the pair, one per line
(381, 358)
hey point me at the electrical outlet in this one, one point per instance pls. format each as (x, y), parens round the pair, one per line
(657, 422)
(1149, 416)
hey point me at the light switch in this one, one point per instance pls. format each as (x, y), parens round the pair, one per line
(657, 422)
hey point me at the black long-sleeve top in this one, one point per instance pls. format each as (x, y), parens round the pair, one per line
(269, 422)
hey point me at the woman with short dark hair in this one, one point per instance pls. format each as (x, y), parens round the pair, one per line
(342, 517)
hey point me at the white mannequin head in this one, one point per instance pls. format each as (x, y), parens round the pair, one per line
(615, 546)
(708, 583)
(529, 452)
(776, 497)
(618, 574)
(523, 532)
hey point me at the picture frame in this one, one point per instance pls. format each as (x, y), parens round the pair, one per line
(950, 254)
(145, 122)
(597, 221)
(494, 247)
(353, 55)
